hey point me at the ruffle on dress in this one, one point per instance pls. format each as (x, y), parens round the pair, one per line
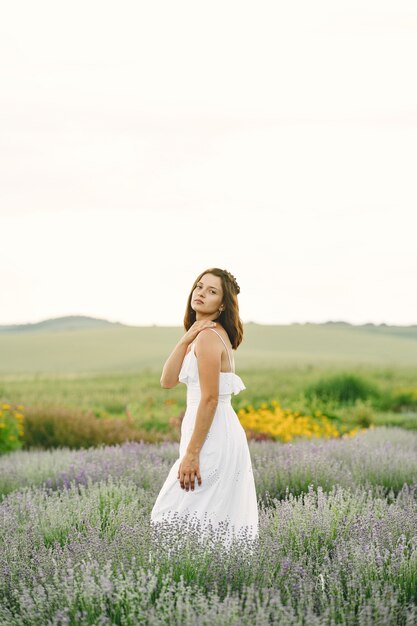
(229, 381)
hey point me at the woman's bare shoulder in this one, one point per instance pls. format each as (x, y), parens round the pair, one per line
(222, 332)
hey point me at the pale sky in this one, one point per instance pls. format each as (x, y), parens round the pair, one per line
(141, 142)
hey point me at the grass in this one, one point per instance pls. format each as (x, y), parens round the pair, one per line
(155, 412)
(106, 350)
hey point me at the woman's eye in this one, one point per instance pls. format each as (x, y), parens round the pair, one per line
(199, 287)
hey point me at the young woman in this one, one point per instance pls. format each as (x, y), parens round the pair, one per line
(212, 479)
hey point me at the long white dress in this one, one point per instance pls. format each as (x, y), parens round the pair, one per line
(227, 495)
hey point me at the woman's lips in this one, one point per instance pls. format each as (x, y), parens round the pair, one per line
(198, 302)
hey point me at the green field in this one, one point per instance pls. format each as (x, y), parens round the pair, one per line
(113, 348)
(112, 371)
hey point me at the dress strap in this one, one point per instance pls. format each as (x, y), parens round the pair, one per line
(227, 349)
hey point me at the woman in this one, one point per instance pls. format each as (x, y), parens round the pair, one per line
(212, 479)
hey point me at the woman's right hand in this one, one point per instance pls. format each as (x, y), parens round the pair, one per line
(197, 327)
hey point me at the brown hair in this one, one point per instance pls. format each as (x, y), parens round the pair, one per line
(229, 317)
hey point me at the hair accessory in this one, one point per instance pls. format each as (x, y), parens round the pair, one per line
(233, 281)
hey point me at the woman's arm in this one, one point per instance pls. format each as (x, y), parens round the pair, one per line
(209, 363)
(172, 366)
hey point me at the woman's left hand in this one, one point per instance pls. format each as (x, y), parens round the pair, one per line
(188, 470)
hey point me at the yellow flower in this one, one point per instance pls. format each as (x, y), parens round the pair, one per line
(284, 424)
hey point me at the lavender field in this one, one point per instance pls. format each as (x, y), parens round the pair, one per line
(337, 545)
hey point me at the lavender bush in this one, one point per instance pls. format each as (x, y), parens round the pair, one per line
(337, 544)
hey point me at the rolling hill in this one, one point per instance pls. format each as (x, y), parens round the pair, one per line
(78, 344)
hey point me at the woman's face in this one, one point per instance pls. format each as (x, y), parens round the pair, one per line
(207, 296)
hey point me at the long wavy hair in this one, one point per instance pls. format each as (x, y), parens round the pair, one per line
(229, 317)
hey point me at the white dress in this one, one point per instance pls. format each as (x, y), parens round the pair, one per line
(227, 495)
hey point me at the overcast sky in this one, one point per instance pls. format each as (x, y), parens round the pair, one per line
(141, 142)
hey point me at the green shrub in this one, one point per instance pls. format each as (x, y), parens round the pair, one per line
(397, 400)
(310, 405)
(361, 414)
(343, 388)
(404, 398)
(52, 427)
(11, 427)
